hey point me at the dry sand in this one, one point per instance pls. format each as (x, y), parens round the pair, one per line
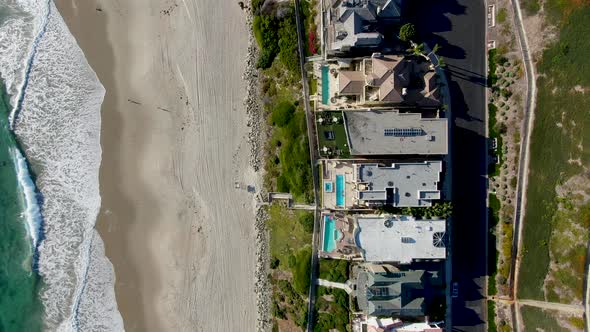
(174, 139)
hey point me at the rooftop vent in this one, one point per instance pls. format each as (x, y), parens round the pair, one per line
(407, 239)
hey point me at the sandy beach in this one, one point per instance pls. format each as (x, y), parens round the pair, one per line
(174, 137)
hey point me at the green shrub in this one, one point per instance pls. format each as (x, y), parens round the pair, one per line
(408, 32)
(492, 77)
(265, 59)
(307, 220)
(274, 263)
(256, 27)
(334, 270)
(283, 113)
(332, 315)
(532, 7)
(502, 14)
(292, 261)
(287, 43)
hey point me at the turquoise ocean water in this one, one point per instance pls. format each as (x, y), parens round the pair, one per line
(20, 307)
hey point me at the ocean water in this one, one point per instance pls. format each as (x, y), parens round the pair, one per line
(55, 117)
(20, 307)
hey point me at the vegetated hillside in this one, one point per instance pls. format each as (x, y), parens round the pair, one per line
(558, 200)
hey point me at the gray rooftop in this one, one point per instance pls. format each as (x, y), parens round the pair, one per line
(349, 22)
(400, 239)
(399, 293)
(402, 184)
(389, 132)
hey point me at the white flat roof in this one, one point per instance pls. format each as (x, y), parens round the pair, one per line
(399, 238)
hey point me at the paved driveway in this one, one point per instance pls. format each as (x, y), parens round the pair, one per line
(459, 27)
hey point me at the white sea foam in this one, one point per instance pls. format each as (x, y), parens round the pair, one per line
(32, 212)
(59, 127)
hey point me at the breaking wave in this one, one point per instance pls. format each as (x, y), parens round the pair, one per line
(56, 118)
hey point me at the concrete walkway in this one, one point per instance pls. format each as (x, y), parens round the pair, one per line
(303, 207)
(569, 308)
(524, 159)
(331, 284)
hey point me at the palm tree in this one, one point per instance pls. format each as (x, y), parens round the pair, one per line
(417, 49)
(435, 49)
(441, 62)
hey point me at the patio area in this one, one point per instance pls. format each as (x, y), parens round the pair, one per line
(337, 184)
(344, 246)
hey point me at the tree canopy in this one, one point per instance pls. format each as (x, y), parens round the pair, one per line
(408, 32)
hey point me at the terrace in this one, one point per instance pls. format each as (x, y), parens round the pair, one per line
(338, 237)
(332, 138)
(337, 179)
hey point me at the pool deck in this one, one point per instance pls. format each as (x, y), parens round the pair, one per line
(346, 247)
(330, 170)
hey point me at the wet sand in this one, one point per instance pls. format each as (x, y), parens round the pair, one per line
(174, 139)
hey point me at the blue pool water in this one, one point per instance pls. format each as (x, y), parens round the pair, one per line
(340, 190)
(329, 227)
(325, 85)
(328, 187)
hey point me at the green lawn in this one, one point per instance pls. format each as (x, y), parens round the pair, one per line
(287, 233)
(290, 249)
(536, 318)
(338, 144)
(564, 66)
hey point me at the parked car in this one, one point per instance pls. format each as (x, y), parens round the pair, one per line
(455, 290)
(494, 143)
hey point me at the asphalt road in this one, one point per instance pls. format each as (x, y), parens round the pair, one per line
(459, 27)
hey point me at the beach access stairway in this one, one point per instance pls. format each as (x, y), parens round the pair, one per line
(274, 196)
(331, 284)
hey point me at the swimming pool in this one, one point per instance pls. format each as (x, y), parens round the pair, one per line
(331, 234)
(325, 85)
(340, 190)
(328, 186)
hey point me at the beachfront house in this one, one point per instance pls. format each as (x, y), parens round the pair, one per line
(389, 132)
(385, 293)
(358, 24)
(380, 133)
(389, 79)
(382, 238)
(348, 185)
(400, 239)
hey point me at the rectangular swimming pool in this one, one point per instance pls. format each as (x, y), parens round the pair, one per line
(340, 190)
(328, 186)
(331, 234)
(325, 85)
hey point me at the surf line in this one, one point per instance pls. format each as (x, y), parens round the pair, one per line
(28, 67)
